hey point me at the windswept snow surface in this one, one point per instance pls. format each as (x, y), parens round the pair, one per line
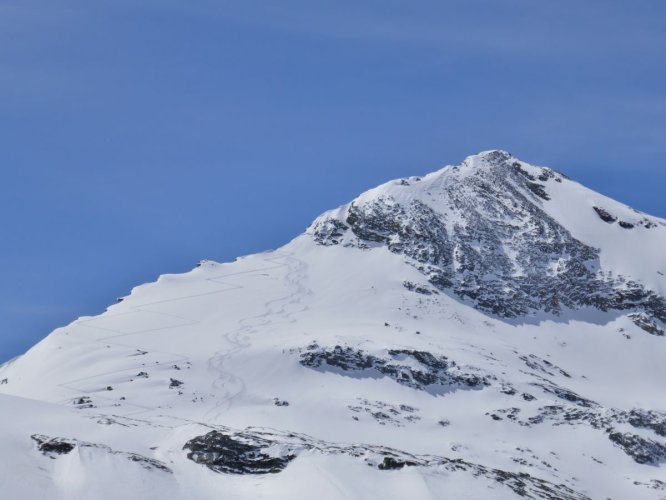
(480, 332)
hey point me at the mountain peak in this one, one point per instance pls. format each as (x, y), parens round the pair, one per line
(491, 157)
(500, 239)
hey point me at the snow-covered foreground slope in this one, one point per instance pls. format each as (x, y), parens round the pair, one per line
(491, 330)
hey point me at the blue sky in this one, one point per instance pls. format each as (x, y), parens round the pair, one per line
(137, 137)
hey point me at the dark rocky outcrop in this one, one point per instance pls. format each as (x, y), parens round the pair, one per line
(646, 323)
(604, 215)
(433, 372)
(223, 453)
(330, 232)
(391, 463)
(642, 450)
(53, 446)
(646, 419)
(415, 287)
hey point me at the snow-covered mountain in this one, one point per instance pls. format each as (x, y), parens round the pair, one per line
(489, 330)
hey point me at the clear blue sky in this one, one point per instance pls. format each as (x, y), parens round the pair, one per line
(137, 137)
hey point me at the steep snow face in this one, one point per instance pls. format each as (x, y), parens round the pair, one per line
(493, 231)
(492, 330)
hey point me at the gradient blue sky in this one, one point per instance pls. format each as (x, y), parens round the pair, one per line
(137, 137)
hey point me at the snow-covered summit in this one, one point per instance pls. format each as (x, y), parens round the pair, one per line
(495, 232)
(489, 330)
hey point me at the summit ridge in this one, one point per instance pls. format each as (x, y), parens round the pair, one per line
(488, 237)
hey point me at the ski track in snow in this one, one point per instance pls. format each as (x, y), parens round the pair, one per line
(238, 338)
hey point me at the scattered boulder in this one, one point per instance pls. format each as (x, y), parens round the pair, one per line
(174, 383)
(83, 402)
(391, 463)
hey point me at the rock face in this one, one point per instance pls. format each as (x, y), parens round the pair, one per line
(223, 453)
(642, 450)
(489, 241)
(417, 369)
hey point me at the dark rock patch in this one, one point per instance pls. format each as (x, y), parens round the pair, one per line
(643, 451)
(542, 365)
(654, 484)
(647, 419)
(567, 395)
(145, 462)
(225, 454)
(391, 463)
(414, 287)
(83, 402)
(538, 189)
(385, 413)
(53, 446)
(330, 232)
(604, 215)
(433, 372)
(646, 323)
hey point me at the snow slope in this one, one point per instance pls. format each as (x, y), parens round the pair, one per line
(480, 332)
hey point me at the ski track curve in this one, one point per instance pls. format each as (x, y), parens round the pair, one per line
(275, 311)
(238, 338)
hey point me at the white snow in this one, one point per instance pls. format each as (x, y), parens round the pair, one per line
(231, 333)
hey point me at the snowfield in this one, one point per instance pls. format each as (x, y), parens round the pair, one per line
(490, 330)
